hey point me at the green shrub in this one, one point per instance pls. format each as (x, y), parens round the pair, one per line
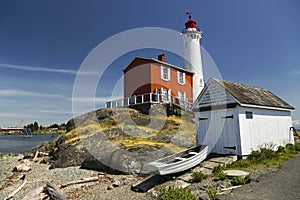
(198, 176)
(238, 181)
(240, 164)
(222, 176)
(281, 149)
(297, 147)
(212, 193)
(217, 169)
(176, 194)
(262, 156)
(290, 148)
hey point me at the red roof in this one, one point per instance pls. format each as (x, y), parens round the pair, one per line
(190, 23)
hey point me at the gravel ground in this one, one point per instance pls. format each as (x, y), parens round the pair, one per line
(40, 174)
(267, 184)
(281, 184)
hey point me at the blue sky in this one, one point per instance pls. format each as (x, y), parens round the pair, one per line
(44, 43)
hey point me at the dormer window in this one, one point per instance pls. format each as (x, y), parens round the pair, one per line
(181, 78)
(165, 73)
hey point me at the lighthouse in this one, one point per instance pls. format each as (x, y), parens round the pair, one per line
(191, 36)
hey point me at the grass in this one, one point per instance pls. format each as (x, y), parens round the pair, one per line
(198, 176)
(112, 124)
(212, 193)
(176, 194)
(266, 156)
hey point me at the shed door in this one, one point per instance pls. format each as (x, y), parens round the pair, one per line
(229, 138)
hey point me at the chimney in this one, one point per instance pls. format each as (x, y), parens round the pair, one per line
(162, 57)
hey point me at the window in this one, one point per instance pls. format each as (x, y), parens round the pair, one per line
(249, 115)
(165, 95)
(181, 78)
(181, 97)
(165, 73)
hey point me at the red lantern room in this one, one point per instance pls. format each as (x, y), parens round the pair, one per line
(190, 25)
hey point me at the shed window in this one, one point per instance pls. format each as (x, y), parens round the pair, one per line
(249, 115)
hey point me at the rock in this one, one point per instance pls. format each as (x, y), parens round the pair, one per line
(22, 168)
(53, 192)
(110, 187)
(92, 163)
(28, 155)
(116, 183)
(103, 148)
(234, 173)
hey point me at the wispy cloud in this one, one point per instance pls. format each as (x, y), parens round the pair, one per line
(103, 99)
(42, 69)
(14, 93)
(295, 72)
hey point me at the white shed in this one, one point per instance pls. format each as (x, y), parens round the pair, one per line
(234, 118)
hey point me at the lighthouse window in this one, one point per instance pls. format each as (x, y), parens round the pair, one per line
(165, 73)
(181, 77)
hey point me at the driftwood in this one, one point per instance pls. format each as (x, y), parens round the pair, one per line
(11, 195)
(230, 188)
(35, 158)
(37, 153)
(34, 194)
(87, 180)
(53, 192)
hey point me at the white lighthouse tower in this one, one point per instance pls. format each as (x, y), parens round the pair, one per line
(191, 36)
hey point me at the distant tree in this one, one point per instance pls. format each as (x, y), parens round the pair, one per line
(53, 126)
(62, 126)
(35, 126)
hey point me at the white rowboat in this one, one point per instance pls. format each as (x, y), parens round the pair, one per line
(180, 161)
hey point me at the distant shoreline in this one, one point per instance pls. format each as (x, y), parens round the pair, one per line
(36, 133)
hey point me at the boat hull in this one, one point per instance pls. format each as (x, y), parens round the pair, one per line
(180, 161)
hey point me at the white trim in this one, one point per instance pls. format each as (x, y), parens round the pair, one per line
(164, 94)
(162, 73)
(179, 73)
(264, 107)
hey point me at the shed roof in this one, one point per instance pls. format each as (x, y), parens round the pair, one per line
(241, 94)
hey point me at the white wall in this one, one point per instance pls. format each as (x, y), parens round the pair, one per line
(213, 131)
(267, 126)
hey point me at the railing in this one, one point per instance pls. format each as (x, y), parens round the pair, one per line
(190, 29)
(185, 104)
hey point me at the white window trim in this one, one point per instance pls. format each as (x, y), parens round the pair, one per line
(183, 78)
(165, 94)
(162, 67)
(181, 97)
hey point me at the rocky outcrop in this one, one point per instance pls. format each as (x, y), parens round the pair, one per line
(120, 140)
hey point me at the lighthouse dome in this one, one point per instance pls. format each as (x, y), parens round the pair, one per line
(190, 25)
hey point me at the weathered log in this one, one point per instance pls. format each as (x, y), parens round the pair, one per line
(53, 192)
(11, 195)
(87, 180)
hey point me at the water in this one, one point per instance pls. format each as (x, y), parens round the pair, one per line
(21, 144)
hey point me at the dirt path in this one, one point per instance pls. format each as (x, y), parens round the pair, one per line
(281, 184)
